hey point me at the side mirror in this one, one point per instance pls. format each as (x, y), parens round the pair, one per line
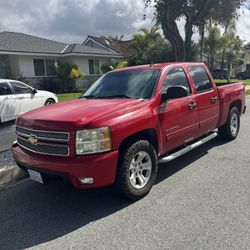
(174, 93)
(34, 91)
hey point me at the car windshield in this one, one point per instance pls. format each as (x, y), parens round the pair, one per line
(134, 84)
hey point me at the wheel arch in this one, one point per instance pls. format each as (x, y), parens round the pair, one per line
(146, 134)
(237, 104)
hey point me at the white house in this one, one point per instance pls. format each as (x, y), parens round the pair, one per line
(33, 57)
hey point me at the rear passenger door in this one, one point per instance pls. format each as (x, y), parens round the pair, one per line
(179, 118)
(9, 104)
(206, 98)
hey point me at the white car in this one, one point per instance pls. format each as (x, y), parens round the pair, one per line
(17, 97)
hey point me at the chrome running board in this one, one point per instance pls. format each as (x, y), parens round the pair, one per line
(188, 148)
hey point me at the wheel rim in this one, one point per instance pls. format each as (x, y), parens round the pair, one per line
(234, 124)
(49, 103)
(140, 170)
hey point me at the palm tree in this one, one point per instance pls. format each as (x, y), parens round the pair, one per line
(147, 36)
(213, 45)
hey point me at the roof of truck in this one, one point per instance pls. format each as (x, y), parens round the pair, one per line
(162, 65)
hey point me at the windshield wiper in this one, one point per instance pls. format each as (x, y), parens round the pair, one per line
(88, 96)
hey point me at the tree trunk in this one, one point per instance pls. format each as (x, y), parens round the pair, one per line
(171, 33)
(202, 35)
(222, 64)
(188, 41)
(229, 68)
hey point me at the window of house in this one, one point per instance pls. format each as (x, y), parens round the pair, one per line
(5, 88)
(176, 77)
(201, 80)
(94, 68)
(44, 67)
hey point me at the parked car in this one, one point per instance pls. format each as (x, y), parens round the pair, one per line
(17, 97)
(126, 122)
(219, 74)
(243, 75)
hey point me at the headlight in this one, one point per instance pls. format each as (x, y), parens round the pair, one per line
(91, 141)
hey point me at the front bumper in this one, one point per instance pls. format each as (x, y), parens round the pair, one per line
(101, 167)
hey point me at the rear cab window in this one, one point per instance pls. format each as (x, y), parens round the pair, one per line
(176, 77)
(200, 77)
(5, 89)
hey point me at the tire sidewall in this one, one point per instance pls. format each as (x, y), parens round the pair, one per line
(126, 158)
(234, 110)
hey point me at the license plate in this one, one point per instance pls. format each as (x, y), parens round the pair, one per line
(35, 176)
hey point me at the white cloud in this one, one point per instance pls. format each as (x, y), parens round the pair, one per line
(71, 21)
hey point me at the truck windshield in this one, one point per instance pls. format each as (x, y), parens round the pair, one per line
(134, 84)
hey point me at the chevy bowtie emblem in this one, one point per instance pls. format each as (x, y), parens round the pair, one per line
(33, 140)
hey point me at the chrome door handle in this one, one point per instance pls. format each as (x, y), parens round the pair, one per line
(214, 99)
(21, 98)
(192, 105)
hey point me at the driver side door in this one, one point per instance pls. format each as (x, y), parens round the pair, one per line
(179, 118)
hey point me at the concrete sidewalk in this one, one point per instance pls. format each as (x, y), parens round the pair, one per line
(10, 173)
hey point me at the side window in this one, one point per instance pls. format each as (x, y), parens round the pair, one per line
(5, 88)
(201, 80)
(176, 77)
(20, 88)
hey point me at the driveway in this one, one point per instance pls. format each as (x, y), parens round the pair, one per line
(200, 201)
(7, 135)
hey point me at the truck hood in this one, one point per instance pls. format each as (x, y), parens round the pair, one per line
(72, 115)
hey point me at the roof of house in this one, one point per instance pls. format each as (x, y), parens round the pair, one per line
(23, 43)
(122, 47)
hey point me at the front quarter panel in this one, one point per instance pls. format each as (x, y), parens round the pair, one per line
(124, 123)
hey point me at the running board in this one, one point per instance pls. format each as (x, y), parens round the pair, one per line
(188, 148)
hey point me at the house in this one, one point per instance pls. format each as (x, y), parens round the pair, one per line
(123, 48)
(33, 57)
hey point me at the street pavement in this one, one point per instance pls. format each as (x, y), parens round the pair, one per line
(7, 135)
(200, 201)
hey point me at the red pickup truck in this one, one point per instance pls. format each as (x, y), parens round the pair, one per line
(125, 123)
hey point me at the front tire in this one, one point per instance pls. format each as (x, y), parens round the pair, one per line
(137, 170)
(230, 129)
(49, 102)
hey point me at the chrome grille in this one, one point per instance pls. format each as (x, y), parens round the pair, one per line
(44, 135)
(43, 142)
(44, 148)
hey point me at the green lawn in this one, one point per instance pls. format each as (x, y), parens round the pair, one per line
(68, 96)
(246, 82)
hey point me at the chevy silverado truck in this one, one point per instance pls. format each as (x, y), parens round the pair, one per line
(126, 122)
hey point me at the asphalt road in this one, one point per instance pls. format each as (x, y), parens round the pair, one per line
(200, 201)
(7, 135)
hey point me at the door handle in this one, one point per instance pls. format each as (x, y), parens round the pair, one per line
(192, 105)
(21, 98)
(214, 99)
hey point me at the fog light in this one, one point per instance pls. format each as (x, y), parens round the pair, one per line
(86, 180)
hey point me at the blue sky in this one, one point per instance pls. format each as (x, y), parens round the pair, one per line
(72, 20)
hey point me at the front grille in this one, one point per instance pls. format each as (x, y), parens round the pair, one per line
(42, 148)
(43, 135)
(43, 142)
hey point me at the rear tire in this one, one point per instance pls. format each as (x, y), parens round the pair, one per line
(137, 170)
(230, 129)
(49, 102)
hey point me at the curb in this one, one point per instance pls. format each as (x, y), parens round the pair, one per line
(10, 176)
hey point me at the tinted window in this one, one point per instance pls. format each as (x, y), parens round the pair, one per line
(138, 84)
(5, 89)
(94, 68)
(20, 88)
(50, 67)
(200, 77)
(39, 67)
(176, 77)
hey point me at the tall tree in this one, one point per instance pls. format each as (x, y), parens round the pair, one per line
(213, 44)
(194, 12)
